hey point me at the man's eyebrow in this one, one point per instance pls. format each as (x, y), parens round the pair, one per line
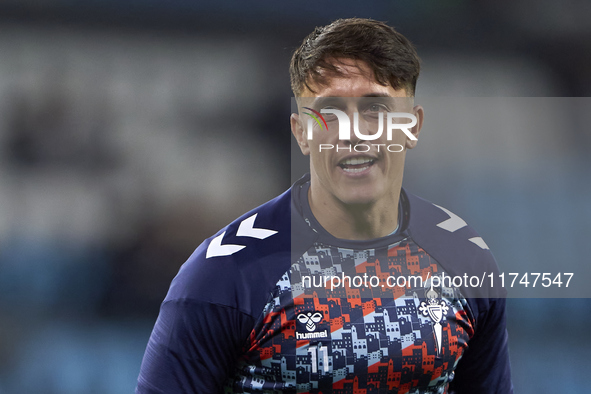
(339, 98)
(377, 95)
(336, 100)
(319, 101)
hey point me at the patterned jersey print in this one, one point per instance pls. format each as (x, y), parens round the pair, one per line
(312, 338)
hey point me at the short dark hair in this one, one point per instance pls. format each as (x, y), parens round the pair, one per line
(390, 55)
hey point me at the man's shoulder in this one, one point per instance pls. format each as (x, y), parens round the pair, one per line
(250, 252)
(448, 238)
(433, 222)
(245, 234)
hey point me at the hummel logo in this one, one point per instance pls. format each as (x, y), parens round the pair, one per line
(310, 319)
(246, 229)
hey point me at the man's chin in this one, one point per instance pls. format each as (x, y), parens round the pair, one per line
(358, 199)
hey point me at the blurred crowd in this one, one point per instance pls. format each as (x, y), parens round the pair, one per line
(122, 150)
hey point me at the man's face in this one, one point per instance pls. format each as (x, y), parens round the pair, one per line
(348, 175)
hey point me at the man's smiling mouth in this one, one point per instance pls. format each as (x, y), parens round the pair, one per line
(356, 164)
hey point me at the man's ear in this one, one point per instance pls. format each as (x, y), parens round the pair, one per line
(416, 129)
(298, 132)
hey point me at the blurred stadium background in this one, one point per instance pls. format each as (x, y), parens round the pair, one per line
(132, 130)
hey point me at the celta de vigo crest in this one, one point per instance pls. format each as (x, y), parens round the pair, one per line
(436, 309)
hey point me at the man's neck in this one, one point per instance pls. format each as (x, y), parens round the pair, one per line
(356, 221)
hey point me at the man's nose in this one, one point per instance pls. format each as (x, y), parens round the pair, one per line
(353, 138)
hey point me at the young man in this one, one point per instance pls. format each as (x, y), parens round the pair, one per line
(338, 285)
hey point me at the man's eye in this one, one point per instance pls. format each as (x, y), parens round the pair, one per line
(376, 108)
(328, 116)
